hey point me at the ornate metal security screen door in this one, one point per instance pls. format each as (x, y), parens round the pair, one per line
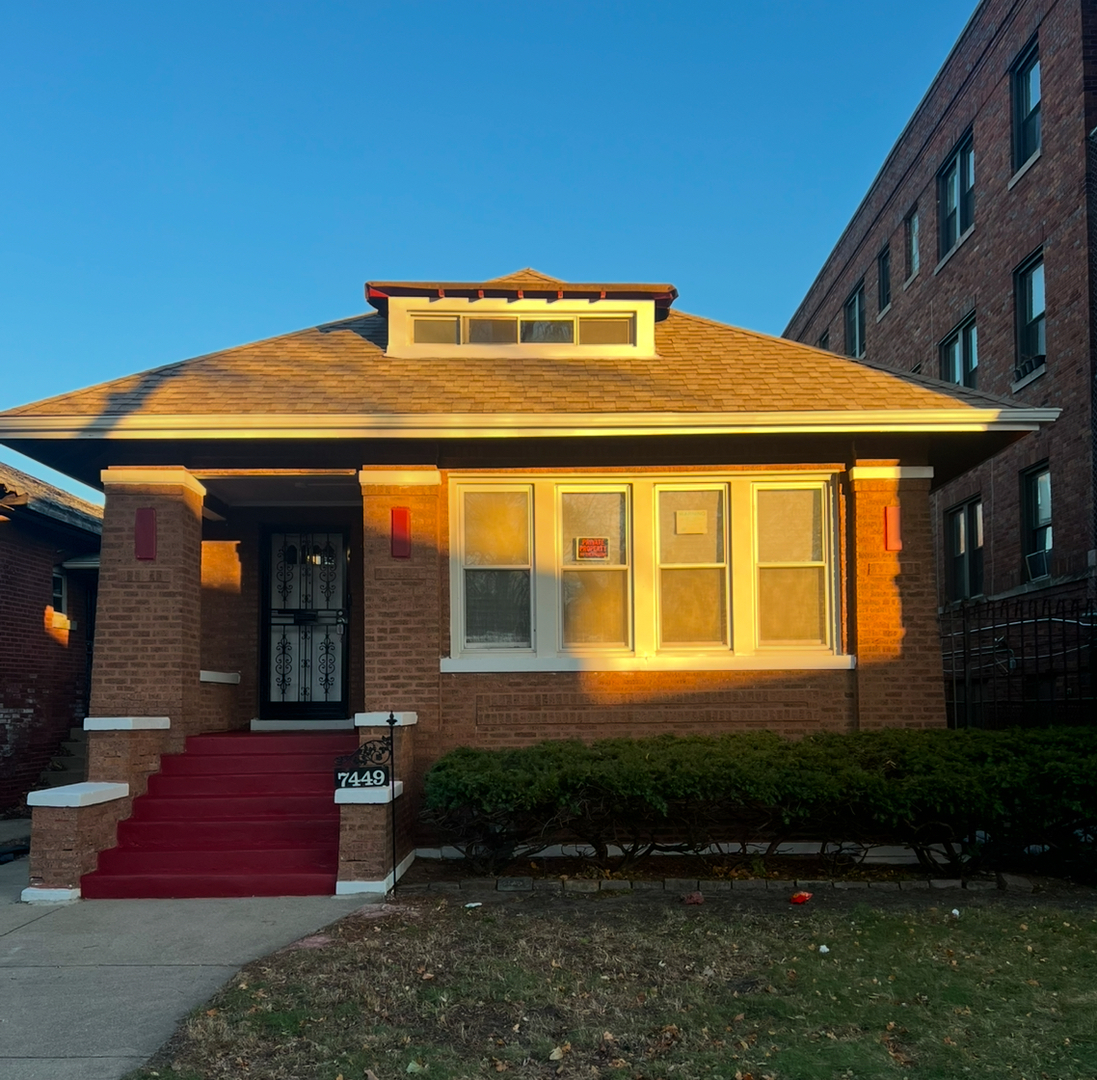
(305, 643)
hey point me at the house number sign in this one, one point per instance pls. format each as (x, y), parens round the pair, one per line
(370, 766)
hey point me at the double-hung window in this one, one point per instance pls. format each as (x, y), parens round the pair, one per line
(497, 566)
(1029, 292)
(1036, 484)
(956, 196)
(964, 544)
(911, 230)
(1026, 106)
(883, 278)
(557, 573)
(960, 356)
(855, 322)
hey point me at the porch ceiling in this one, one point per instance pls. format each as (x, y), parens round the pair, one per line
(316, 487)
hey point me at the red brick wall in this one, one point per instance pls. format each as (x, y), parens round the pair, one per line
(148, 624)
(893, 622)
(66, 841)
(1047, 206)
(42, 667)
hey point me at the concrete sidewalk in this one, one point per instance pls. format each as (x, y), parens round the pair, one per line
(90, 989)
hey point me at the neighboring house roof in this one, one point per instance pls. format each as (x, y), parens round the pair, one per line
(20, 490)
(335, 380)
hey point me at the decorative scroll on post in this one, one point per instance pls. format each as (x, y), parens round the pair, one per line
(373, 765)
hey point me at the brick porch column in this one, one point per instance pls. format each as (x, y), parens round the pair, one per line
(148, 621)
(893, 598)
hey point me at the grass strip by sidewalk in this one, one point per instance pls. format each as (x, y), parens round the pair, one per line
(631, 988)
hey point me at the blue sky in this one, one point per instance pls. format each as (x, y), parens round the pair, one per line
(180, 178)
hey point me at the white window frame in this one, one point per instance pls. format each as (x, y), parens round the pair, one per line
(459, 568)
(645, 652)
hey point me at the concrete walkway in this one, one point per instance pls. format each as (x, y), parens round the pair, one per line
(90, 989)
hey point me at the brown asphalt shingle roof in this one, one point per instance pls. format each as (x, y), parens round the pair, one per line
(50, 501)
(340, 368)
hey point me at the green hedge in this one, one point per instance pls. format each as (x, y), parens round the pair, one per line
(980, 797)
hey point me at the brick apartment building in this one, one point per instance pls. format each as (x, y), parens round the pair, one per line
(972, 259)
(49, 547)
(505, 511)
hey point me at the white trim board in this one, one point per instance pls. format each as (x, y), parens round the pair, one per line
(353, 888)
(518, 425)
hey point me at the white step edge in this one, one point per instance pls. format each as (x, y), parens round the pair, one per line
(83, 794)
(34, 895)
(302, 725)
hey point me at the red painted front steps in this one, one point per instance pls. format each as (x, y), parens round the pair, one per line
(236, 814)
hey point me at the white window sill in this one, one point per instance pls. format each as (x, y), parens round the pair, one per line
(1023, 169)
(910, 280)
(1031, 377)
(792, 660)
(883, 312)
(960, 241)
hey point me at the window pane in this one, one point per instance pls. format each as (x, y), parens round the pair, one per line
(912, 244)
(548, 330)
(595, 607)
(691, 527)
(1036, 291)
(790, 525)
(693, 607)
(596, 331)
(593, 528)
(792, 606)
(435, 331)
(1042, 498)
(497, 608)
(496, 528)
(493, 331)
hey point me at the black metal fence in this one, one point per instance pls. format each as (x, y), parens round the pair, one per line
(1021, 662)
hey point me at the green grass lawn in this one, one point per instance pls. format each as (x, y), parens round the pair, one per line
(647, 987)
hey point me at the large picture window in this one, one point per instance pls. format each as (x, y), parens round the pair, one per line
(643, 570)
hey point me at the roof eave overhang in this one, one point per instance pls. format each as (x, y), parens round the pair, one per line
(521, 425)
(378, 293)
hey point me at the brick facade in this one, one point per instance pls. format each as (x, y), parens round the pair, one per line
(1042, 206)
(43, 661)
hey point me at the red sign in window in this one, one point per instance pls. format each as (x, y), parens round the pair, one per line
(592, 547)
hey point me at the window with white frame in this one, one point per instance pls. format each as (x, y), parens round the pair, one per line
(550, 568)
(443, 329)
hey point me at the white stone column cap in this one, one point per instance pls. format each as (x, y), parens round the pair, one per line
(891, 472)
(85, 794)
(126, 723)
(169, 475)
(381, 719)
(421, 477)
(371, 796)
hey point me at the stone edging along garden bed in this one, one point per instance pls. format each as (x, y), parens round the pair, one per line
(1011, 882)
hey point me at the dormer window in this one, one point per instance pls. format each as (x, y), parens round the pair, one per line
(497, 330)
(524, 316)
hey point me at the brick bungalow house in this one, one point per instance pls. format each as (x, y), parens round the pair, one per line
(504, 511)
(49, 550)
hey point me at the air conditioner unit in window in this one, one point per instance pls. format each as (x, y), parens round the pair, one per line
(1038, 564)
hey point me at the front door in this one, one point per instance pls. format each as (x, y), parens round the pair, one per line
(304, 635)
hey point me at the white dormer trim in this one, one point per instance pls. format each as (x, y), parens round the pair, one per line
(402, 308)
